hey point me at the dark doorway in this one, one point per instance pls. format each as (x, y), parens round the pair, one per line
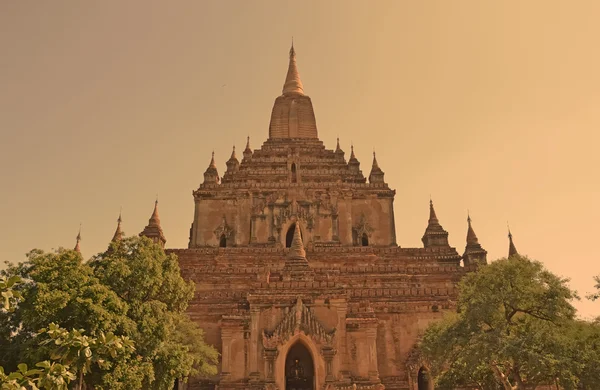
(423, 379)
(299, 368)
(289, 237)
(294, 176)
(223, 241)
(364, 241)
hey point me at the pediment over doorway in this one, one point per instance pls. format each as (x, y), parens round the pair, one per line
(298, 319)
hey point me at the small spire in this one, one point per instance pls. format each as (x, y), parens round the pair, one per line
(153, 230)
(212, 161)
(512, 250)
(337, 147)
(118, 232)
(297, 248)
(211, 175)
(375, 164)
(474, 254)
(247, 151)
(233, 156)
(293, 85)
(376, 175)
(352, 151)
(77, 248)
(432, 217)
(435, 235)
(155, 219)
(471, 236)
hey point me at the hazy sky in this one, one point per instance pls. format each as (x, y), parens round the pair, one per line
(487, 106)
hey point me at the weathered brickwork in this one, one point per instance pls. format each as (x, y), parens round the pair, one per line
(299, 279)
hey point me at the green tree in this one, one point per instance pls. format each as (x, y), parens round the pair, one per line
(595, 295)
(81, 352)
(134, 290)
(149, 281)
(60, 288)
(10, 297)
(514, 329)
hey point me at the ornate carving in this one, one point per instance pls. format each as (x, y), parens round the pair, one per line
(300, 318)
(223, 229)
(259, 207)
(363, 227)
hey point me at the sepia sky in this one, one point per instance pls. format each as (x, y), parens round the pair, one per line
(492, 107)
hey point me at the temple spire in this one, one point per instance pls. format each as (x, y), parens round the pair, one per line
(77, 248)
(118, 232)
(212, 161)
(474, 253)
(155, 219)
(376, 175)
(293, 85)
(471, 236)
(211, 175)
(153, 230)
(233, 163)
(512, 250)
(432, 217)
(247, 151)
(435, 235)
(353, 163)
(338, 150)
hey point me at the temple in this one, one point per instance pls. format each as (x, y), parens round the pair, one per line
(300, 281)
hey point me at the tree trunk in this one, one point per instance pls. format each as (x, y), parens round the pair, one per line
(80, 384)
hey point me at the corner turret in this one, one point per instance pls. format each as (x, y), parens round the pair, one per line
(376, 175)
(353, 163)
(474, 253)
(153, 230)
(233, 163)
(211, 175)
(435, 235)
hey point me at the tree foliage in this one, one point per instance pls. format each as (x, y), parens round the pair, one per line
(515, 329)
(133, 290)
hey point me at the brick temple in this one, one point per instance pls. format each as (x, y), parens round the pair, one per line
(300, 282)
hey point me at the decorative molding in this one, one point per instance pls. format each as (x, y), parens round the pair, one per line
(300, 318)
(223, 230)
(363, 227)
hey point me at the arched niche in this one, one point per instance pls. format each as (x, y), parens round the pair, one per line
(306, 344)
(299, 368)
(294, 173)
(364, 240)
(424, 381)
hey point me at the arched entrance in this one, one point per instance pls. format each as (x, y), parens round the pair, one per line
(364, 240)
(289, 237)
(299, 368)
(223, 241)
(423, 380)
